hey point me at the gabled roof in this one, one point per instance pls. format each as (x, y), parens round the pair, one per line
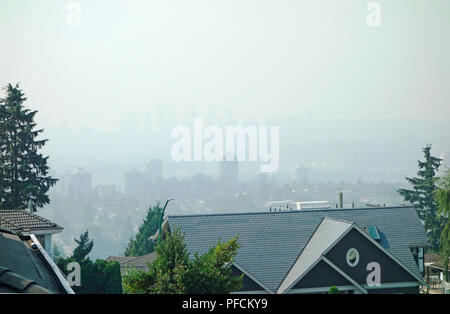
(25, 267)
(328, 232)
(22, 221)
(276, 239)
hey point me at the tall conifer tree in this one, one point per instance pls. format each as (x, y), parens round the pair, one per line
(422, 196)
(24, 175)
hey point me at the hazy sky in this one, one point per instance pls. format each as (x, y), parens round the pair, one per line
(250, 58)
(110, 90)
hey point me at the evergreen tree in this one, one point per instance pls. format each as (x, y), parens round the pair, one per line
(23, 171)
(443, 200)
(171, 264)
(84, 247)
(422, 196)
(141, 243)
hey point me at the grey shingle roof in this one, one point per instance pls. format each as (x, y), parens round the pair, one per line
(23, 221)
(272, 241)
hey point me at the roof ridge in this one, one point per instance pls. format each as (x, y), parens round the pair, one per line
(339, 220)
(291, 211)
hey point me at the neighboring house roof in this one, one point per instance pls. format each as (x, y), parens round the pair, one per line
(276, 239)
(140, 262)
(25, 267)
(432, 258)
(22, 221)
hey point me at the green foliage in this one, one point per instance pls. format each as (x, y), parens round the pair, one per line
(137, 281)
(96, 277)
(170, 264)
(173, 272)
(84, 247)
(23, 171)
(141, 243)
(101, 277)
(422, 196)
(209, 274)
(333, 290)
(443, 199)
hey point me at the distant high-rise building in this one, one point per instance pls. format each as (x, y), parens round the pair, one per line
(302, 174)
(155, 169)
(77, 184)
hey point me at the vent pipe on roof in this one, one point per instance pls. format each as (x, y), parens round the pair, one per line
(30, 206)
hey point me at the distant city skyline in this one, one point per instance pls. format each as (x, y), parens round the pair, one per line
(352, 101)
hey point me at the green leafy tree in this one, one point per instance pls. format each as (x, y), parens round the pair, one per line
(170, 264)
(141, 243)
(333, 290)
(423, 198)
(84, 247)
(443, 200)
(166, 273)
(174, 273)
(209, 272)
(24, 175)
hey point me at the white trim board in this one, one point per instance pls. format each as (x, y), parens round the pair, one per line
(59, 275)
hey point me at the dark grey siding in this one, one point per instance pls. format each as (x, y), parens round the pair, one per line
(322, 275)
(391, 271)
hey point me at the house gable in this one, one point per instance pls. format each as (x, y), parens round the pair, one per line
(391, 270)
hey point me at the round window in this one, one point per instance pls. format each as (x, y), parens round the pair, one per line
(352, 257)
